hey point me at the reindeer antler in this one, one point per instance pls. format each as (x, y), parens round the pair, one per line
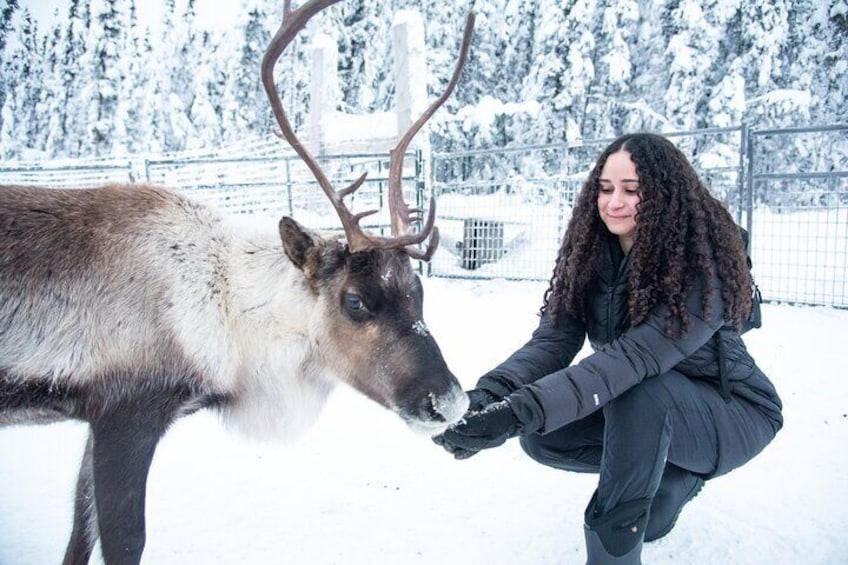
(401, 215)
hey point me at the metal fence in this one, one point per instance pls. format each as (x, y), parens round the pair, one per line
(522, 197)
(283, 185)
(502, 211)
(797, 190)
(275, 182)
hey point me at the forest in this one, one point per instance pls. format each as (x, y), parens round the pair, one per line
(100, 82)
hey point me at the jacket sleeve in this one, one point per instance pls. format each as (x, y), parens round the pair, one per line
(550, 349)
(643, 351)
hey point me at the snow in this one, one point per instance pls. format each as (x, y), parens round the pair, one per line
(488, 109)
(361, 488)
(214, 15)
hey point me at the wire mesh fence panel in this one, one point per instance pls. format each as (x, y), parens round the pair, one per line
(284, 185)
(71, 174)
(502, 212)
(529, 192)
(799, 186)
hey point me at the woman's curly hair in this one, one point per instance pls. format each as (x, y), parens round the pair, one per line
(682, 234)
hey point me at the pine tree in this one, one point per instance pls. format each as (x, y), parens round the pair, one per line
(591, 68)
(106, 77)
(690, 50)
(723, 101)
(207, 86)
(6, 27)
(562, 78)
(615, 24)
(363, 41)
(833, 89)
(6, 15)
(764, 28)
(52, 93)
(149, 98)
(183, 55)
(24, 83)
(246, 110)
(67, 135)
(130, 127)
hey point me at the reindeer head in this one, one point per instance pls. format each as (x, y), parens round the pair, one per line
(370, 299)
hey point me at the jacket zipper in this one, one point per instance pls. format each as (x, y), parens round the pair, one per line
(622, 268)
(610, 297)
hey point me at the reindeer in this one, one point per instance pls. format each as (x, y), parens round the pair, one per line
(130, 306)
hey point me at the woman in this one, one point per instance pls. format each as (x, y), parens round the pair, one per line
(652, 269)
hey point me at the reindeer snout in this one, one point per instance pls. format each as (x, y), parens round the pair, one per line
(433, 413)
(451, 406)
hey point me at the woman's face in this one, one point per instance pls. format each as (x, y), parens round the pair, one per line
(619, 196)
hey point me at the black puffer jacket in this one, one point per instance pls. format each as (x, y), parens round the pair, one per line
(546, 391)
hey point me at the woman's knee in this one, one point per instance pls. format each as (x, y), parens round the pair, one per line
(581, 460)
(649, 401)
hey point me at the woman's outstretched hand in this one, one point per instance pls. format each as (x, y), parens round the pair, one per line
(480, 429)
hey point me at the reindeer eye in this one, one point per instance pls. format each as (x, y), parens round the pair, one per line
(354, 306)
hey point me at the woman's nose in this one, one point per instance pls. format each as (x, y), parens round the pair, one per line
(615, 199)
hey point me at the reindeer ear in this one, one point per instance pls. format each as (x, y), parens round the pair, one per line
(298, 241)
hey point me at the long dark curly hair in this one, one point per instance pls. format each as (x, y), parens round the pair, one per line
(682, 234)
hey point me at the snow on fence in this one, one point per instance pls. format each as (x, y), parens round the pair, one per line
(501, 212)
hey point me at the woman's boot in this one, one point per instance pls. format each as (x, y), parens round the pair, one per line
(678, 486)
(615, 537)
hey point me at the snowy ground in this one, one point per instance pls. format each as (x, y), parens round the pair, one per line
(360, 488)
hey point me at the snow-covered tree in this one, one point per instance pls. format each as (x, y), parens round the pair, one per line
(764, 29)
(245, 108)
(832, 88)
(615, 29)
(363, 43)
(540, 71)
(208, 90)
(6, 15)
(563, 69)
(105, 78)
(130, 127)
(67, 130)
(23, 86)
(52, 98)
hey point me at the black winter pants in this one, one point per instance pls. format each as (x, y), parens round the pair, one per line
(668, 418)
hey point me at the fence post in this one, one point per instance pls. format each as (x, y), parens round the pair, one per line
(741, 177)
(420, 188)
(748, 140)
(289, 186)
(381, 188)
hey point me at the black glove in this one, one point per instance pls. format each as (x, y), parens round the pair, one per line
(490, 427)
(457, 452)
(479, 398)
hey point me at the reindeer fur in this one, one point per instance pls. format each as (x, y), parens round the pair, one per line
(130, 306)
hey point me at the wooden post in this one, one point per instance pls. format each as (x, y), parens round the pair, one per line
(410, 72)
(324, 88)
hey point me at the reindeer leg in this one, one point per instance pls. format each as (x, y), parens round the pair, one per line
(85, 532)
(124, 443)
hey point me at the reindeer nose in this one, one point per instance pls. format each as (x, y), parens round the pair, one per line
(449, 407)
(432, 412)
